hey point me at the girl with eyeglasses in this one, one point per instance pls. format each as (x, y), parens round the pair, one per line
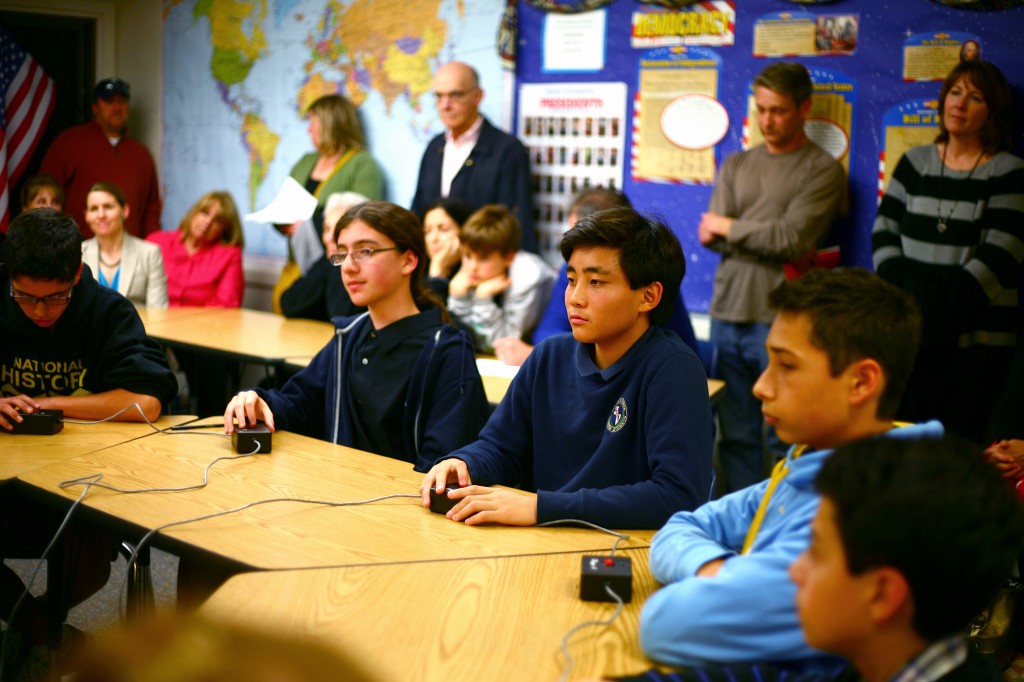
(397, 380)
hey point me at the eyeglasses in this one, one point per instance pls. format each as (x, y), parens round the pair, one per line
(358, 255)
(454, 95)
(52, 301)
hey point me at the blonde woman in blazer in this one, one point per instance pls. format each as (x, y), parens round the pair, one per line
(117, 259)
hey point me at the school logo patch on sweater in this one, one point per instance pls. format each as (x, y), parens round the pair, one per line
(617, 419)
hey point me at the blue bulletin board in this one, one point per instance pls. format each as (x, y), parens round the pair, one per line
(874, 65)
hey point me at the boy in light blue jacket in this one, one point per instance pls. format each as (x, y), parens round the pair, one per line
(839, 351)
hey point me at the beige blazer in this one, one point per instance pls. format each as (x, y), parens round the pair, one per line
(143, 280)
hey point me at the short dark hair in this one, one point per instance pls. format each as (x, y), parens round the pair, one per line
(43, 244)
(648, 251)
(856, 315)
(934, 510)
(457, 210)
(787, 78)
(997, 132)
(591, 201)
(491, 228)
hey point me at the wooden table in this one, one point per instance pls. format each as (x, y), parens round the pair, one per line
(715, 390)
(289, 534)
(152, 318)
(381, 569)
(257, 336)
(238, 333)
(22, 453)
(484, 619)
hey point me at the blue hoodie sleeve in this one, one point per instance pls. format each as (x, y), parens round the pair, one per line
(299, 405)
(454, 407)
(746, 612)
(690, 539)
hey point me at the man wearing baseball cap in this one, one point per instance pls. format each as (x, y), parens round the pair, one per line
(101, 151)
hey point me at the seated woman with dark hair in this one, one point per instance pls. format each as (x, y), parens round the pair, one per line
(441, 223)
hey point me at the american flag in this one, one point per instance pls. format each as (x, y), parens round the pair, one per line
(28, 96)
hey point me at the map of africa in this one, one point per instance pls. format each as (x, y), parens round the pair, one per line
(239, 73)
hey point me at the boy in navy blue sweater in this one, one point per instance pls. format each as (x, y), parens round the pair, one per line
(611, 425)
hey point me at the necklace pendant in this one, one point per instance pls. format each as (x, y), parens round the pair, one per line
(941, 226)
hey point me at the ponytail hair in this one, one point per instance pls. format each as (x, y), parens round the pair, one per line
(403, 228)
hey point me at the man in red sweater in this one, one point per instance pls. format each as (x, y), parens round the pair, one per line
(100, 150)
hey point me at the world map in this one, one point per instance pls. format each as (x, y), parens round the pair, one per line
(238, 75)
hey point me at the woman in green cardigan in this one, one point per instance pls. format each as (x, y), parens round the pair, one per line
(339, 164)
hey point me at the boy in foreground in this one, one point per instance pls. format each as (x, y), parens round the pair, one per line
(66, 343)
(912, 540)
(611, 425)
(839, 353)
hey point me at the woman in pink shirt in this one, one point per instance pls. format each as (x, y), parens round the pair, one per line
(203, 259)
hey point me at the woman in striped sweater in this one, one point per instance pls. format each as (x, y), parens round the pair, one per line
(950, 230)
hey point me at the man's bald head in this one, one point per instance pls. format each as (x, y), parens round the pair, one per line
(457, 91)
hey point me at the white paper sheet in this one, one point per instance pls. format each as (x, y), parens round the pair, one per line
(496, 368)
(292, 204)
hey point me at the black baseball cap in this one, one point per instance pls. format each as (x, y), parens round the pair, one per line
(108, 87)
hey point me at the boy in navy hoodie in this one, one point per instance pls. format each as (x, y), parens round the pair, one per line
(66, 343)
(839, 353)
(69, 344)
(611, 425)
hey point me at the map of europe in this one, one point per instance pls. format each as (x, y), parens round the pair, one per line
(238, 75)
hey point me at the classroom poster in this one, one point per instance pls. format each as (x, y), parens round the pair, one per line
(906, 125)
(931, 56)
(704, 23)
(836, 34)
(876, 68)
(830, 121)
(575, 42)
(802, 34)
(784, 34)
(575, 135)
(677, 118)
